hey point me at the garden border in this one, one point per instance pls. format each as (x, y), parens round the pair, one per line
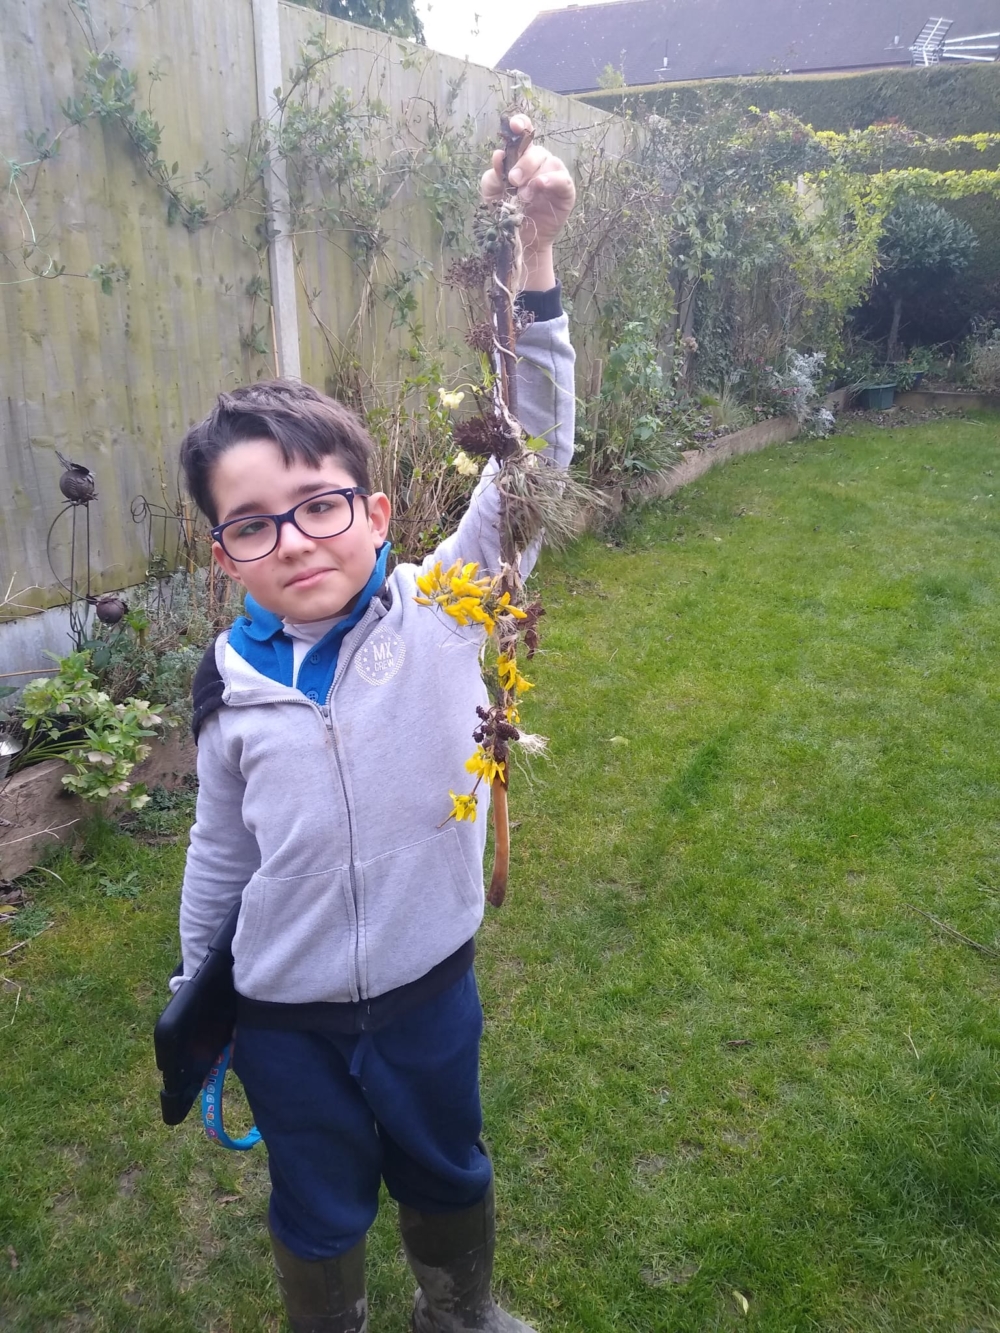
(694, 463)
(947, 400)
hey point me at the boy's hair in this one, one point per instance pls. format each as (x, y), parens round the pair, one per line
(305, 425)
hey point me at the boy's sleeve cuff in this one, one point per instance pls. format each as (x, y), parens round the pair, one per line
(543, 305)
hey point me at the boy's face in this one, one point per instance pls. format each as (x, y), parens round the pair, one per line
(304, 578)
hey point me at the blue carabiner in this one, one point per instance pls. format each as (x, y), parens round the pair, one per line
(211, 1107)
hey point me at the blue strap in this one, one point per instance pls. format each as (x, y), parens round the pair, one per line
(211, 1107)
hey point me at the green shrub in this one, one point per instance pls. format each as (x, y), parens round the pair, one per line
(67, 717)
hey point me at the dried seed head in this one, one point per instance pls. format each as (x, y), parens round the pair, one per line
(473, 271)
(475, 436)
(481, 337)
(534, 613)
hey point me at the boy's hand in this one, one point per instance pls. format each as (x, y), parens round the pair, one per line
(546, 193)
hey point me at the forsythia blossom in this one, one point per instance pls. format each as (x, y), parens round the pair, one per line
(510, 677)
(467, 599)
(484, 766)
(463, 807)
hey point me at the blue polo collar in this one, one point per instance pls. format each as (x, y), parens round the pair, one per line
(259, 638)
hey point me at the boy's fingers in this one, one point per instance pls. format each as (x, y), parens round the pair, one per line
(554, 184)
(535, 159)
(520, 124)
(538, 173)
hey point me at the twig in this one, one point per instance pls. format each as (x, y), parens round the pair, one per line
(7, 982)
(912, 1047)
(7, 952)
(957, 934)
(40, 833)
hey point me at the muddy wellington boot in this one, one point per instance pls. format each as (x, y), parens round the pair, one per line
(323, 1295)
(451, 1255)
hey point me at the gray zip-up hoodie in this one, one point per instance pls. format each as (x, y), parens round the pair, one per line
(328, 819)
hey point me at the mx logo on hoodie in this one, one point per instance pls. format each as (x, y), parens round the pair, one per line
(381, 657)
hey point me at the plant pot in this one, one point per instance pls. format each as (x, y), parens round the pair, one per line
(918, 378)
(876, 397)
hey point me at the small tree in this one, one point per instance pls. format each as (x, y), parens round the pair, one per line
(923, 248)
(395, 16)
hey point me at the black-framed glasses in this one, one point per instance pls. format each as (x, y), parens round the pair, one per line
(256, 535)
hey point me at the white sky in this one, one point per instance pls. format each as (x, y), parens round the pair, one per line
(480, 30)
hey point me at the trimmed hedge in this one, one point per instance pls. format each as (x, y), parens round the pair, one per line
(943, 100)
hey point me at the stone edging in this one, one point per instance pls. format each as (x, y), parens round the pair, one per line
(694, 463)
(949, 400)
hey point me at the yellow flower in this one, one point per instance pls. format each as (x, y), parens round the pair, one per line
(463, 807)
(510, 677)
(430, 582)
(450, 400)
(512, 715)
(484, 766)
(464, 465)
(505, 605)
(507, 671)
(463, 609)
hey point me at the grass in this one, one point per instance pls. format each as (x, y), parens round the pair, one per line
(725, 1061)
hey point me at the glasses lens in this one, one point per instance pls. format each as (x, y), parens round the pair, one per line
(250, 539)
(324, 515)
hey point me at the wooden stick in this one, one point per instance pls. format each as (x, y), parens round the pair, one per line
(501, 847)
(505, 402)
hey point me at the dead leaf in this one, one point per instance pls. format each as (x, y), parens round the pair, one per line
(12, 1253)
(741, 1302)
(229, 1198)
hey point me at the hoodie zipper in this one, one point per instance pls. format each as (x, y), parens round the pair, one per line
(357, 635)
(325, 711)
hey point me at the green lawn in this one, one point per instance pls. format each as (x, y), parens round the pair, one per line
(724, 1057)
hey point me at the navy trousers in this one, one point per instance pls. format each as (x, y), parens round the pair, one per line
(339, 1113)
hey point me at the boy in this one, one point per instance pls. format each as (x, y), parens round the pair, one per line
(331, 720)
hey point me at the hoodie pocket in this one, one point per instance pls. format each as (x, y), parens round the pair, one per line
(294, 943)
(420, 903)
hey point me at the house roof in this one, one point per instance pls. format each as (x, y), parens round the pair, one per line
(566, 50)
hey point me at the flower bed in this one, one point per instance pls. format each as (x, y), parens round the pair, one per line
(37, 811)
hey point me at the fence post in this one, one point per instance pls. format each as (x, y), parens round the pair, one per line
(281, 257)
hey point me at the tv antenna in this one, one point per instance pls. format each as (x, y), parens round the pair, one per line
(934, 45)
